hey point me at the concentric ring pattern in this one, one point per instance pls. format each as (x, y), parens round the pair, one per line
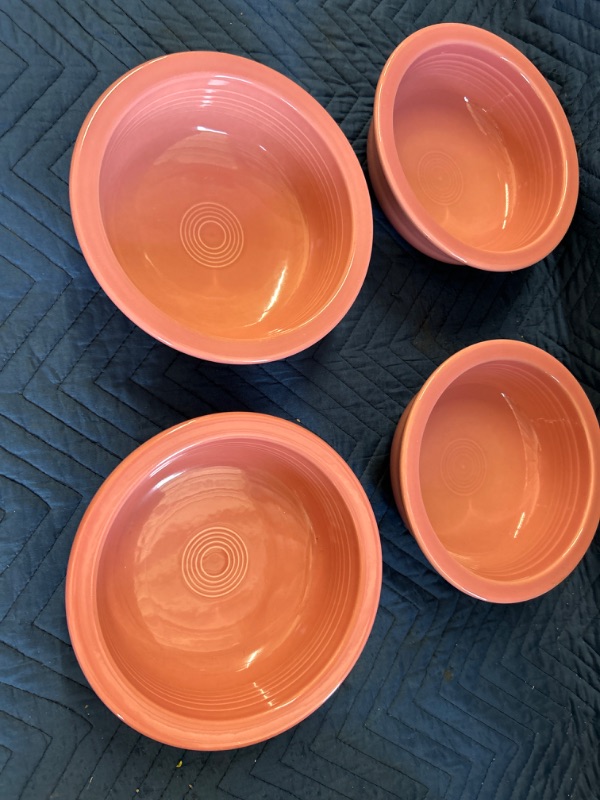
(214, 562)
(212, 235)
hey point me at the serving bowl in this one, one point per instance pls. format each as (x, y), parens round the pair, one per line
(494, 467)
(221, 207)
(223, 581)
(470, 153)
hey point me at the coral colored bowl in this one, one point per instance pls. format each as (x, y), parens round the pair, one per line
(221, 207)
(494, 468)
(470, 153)
(223, 581)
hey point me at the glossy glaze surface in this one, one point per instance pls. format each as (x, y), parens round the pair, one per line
(231, 217)
(235, 581)
(471, 149)
(505, 499)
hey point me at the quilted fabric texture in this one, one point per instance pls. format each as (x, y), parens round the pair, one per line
(452, 698)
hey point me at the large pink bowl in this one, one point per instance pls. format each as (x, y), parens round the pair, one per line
(223, 581)
(495, 470)
(470, 153)
(221, 207)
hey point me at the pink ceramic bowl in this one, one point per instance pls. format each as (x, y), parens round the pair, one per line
(470, 153)
(221, 207)
(494, 468)
(223, 581)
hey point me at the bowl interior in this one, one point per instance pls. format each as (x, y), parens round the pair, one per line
(478, 146)
(225, 206)
(228, 582)
(505, 470)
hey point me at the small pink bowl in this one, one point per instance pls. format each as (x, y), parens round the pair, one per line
(470, 153)
(223, 581)
(221, 207)
(494, 468)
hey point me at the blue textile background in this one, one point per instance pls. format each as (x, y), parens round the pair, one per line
(452, 698)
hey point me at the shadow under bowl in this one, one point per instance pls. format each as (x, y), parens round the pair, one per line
(494, 469)
(223, 581)
(470, 153)
(221, 207)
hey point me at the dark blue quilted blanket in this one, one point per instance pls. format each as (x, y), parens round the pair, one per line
(452, 698)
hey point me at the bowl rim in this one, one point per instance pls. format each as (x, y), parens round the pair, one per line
(405, 470)
(124, 700)
(84, 178)
(401, 59)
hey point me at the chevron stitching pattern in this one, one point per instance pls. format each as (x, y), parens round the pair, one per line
(452, 698)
